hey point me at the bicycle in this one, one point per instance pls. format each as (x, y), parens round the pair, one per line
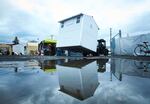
(142, 65)
(142, 49)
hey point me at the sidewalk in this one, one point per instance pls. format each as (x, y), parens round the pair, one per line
(24, 58)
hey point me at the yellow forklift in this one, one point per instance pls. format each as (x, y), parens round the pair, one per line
(47, 47)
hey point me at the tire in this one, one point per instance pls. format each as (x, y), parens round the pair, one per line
(106, 52)
(140, 51)
(148, 53)
(85, 54)
(139, 64)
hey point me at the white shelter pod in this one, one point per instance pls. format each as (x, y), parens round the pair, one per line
(78, 33)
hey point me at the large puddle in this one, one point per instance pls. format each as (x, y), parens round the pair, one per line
(103, 81)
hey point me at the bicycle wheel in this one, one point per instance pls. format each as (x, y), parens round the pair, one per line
(140, 51)
(139, 64)
(148, 50)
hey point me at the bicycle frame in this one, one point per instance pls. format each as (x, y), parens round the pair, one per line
(145, 49)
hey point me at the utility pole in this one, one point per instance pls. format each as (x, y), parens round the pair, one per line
(127, 34)
(110, 35)
(110, 75)
(111, 52)
(110, 40)
(52, 37)
(120, 33)
(120, 40)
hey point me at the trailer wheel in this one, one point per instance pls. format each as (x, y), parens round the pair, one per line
(85, 54)
(106, 52)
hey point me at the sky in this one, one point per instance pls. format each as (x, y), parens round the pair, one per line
(38, 19)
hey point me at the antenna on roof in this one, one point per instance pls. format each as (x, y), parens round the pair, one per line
(52, 37)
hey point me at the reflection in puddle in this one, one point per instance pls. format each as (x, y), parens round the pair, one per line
(78, 78)
(130, 67)
(83, 81)
(102, 65)
(24, 67)
(48, 66)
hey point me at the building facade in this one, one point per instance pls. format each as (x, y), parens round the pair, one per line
(6, 49)
(31, 48)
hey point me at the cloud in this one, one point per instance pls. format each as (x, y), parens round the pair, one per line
(129, 91)
(27, 86)
(32, 19)
(141, 23)
(25, 19)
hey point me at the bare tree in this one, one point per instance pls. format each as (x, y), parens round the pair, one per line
(16, 40)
